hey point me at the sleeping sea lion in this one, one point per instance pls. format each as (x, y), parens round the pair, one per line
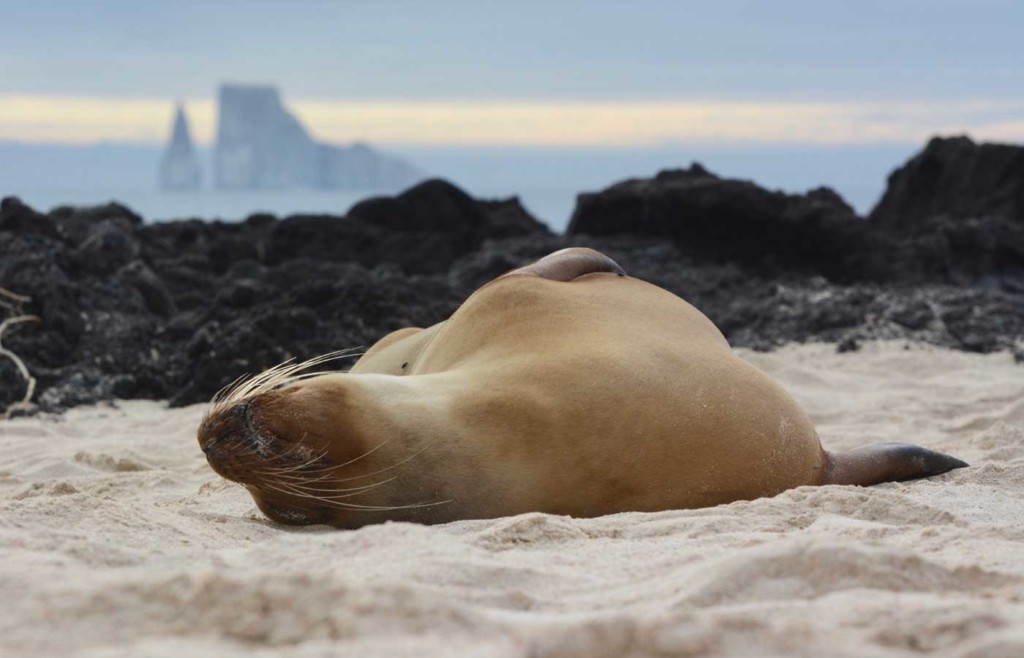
(564, 387)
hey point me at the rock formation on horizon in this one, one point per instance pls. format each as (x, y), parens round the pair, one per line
(179, 167)
(261, 146)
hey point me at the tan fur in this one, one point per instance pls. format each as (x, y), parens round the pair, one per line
(600, 395)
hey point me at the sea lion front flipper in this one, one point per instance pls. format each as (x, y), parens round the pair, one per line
(886, 462)
(569, 264)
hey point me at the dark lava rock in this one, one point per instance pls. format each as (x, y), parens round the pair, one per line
(106, 249)
(956, 178)
(434, 205)
(774, 234)
(727, 219)
(423, 230)
(971, 251)
(914, 315)
(177, 310)
(956, 210)
(154, 291)
(507, 218)
(848, 344)
(16, 217)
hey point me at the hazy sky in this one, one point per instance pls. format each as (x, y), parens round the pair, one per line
(523, 72)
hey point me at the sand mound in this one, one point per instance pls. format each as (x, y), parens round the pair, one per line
(117, 540)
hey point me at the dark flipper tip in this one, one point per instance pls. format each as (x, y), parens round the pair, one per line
(888, 462)
(921, 462)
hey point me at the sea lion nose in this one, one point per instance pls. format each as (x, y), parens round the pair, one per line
(216, 430)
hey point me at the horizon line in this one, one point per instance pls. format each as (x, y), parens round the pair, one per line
(50, 119)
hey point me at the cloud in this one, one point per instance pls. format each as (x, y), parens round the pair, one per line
(526, 123)
(1003, 131)
(82, 120)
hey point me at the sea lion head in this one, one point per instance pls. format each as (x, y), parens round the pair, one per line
(302, 444)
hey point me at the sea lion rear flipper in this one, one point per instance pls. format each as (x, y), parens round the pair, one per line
(886, 462)
(569, 264)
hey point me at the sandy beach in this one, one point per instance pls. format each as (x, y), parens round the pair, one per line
(118, 540)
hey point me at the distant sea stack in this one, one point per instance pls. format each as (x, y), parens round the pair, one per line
(261, 146)
(179, 168)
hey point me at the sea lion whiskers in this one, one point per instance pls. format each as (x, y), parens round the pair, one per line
(338, 466)
(335, 493)
(312, 459)
(267, 380)
(281, 457)
(325, 479)
(299, 472)
(383, 470)
(355, 507)
(288, 455)
(251, 458)
(223, 392)
(293, 483)
(282, 374)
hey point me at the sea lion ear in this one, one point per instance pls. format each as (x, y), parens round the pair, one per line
(569, 264)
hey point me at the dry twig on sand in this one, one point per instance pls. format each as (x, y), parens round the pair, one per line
(14, 306)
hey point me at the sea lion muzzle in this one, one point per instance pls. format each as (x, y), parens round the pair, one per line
(218, 431)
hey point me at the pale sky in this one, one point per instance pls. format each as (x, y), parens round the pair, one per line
(523, 73)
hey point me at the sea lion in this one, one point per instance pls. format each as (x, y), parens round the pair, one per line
(564, 387)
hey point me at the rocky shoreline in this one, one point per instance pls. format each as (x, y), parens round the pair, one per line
(176, 310)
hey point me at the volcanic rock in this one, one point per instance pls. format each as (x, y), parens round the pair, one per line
(955, 178)
(727, 219)
(16, 217)
(177, 310)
